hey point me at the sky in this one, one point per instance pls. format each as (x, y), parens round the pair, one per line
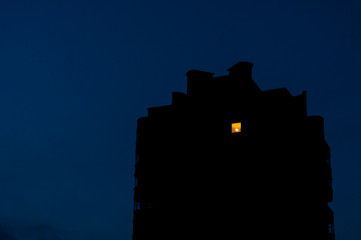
(76, 75)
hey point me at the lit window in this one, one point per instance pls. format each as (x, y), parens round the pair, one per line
(236, 127)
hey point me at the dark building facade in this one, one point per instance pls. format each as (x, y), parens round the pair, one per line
(229, 161)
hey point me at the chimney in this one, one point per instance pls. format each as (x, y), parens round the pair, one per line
(241, 70)
(241, 78)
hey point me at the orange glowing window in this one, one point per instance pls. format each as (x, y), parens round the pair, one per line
(236, 127)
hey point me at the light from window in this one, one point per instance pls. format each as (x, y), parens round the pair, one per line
(236, 127)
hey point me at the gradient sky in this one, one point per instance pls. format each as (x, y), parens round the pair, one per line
(75, 76)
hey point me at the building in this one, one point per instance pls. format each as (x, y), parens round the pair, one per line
(227, 160)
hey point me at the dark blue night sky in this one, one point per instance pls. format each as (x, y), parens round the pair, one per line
(76, 75)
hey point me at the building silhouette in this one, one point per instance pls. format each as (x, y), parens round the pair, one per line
(229, 161)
